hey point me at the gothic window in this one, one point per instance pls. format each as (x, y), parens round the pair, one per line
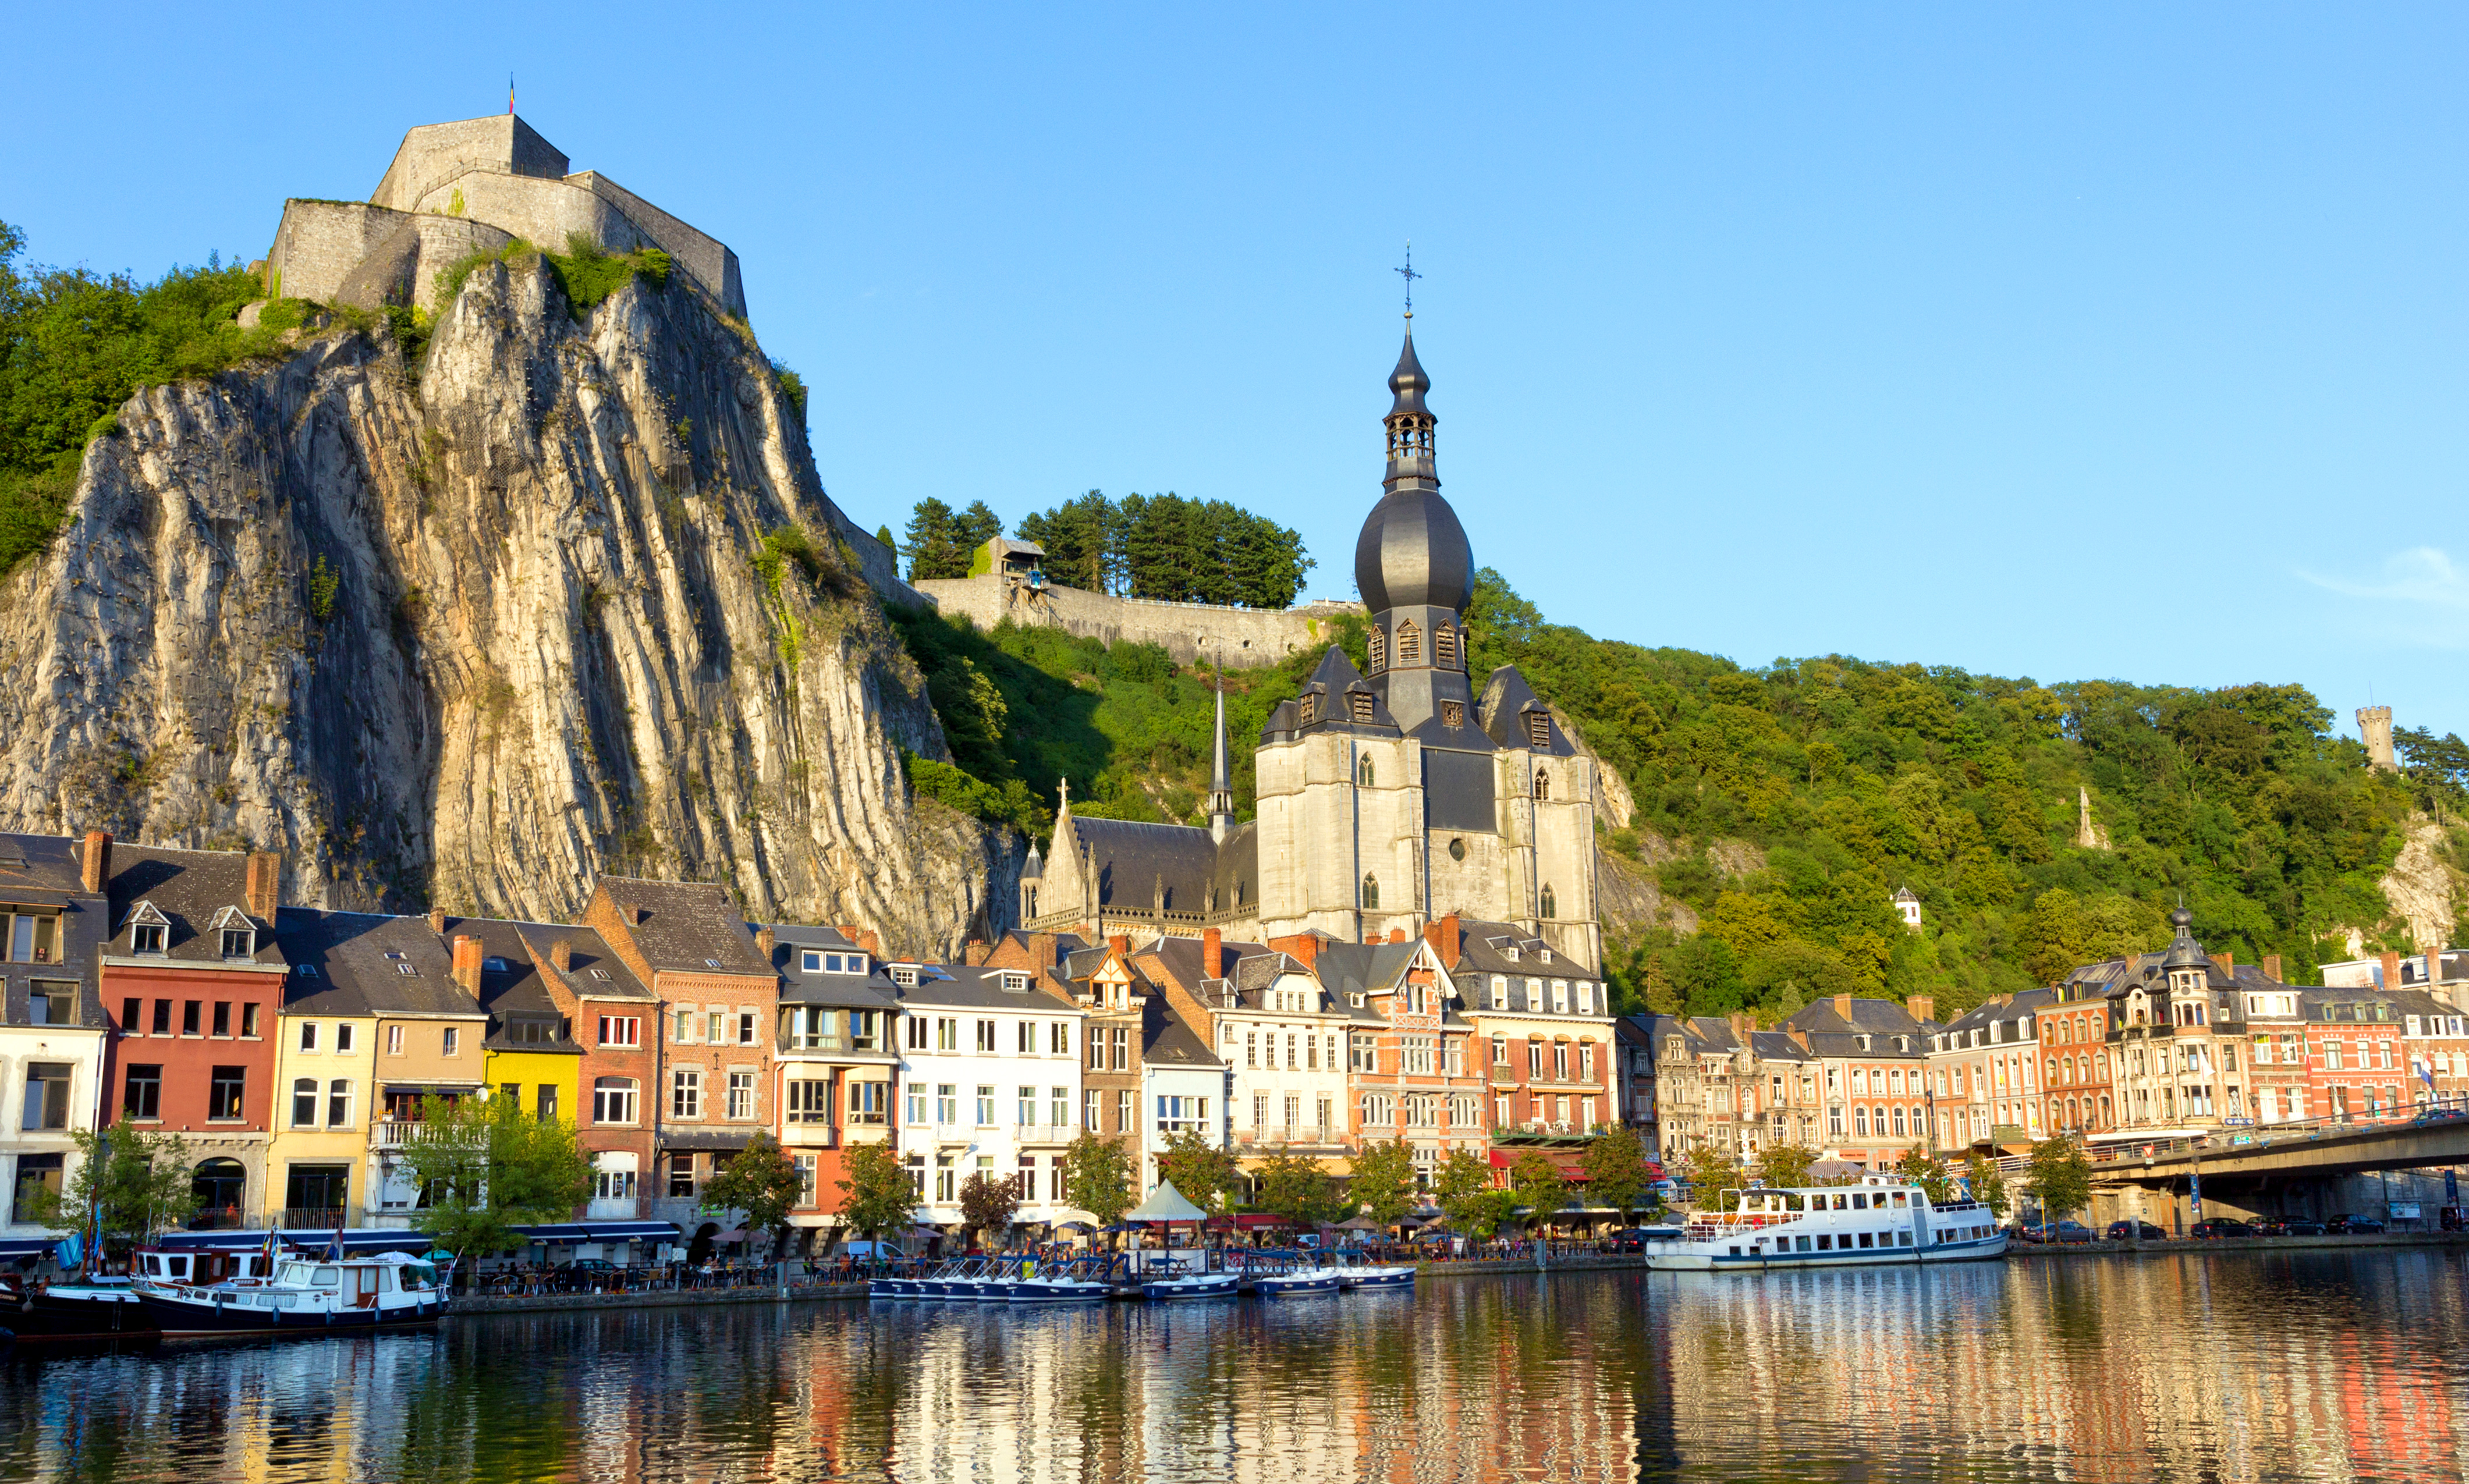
(1538, 729)
(1452, 713)
(1550, 907)
(1410, 643)
(1363, 772)
(1542, 784)
(1359, 704)
(1444, 646)
(1380, 651)
(1371, 890)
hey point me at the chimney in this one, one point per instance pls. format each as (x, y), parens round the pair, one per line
(467, 964)
(765, 940)
(2271, 969)
(1799, 1038)
(2391, 970)
(1743, 1023)
(437, 920)
(1923, 1007)
(848, 930)
(1303, 948)
(1843, 1006)
(867, 940)
(97, 859)
(1453, 940)
(974, 954)
(1120, 944)
(2228, 963)
(561, 955)
(1042, 953)
(265, 883)
(1397, 935)
(1213, 953)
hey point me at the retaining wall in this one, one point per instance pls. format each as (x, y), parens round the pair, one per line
(1243, 638)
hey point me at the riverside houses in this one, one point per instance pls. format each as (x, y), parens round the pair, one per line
(1542, 1026)
(2276, 1046)
(2074, 1064)
(2434, 1047)
(1279, 1035)
(1183, 1088)
(617, 1023)
(837, 1061)
(2176, 1027)
(1986, 1073)
(989, 1084)
(1701, 1063)
(195, 976)
(325, 1077)
(429, 1041)
(531, 1055)
(1115, 999)
(1409, 1059)
(53, 1059)
(1870, 1060)
(718, 1009)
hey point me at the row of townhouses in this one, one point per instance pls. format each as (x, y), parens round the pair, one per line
(291, 1049)
(2151, 1047)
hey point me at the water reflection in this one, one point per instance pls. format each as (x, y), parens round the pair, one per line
(2303, 1367)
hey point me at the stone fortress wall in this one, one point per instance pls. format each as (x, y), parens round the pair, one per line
(473, 186)
(1241, 638)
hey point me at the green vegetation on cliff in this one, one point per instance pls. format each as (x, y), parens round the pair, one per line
(1157, 546)
(1780, 809)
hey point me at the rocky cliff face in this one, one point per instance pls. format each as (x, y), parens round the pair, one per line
(478, 637)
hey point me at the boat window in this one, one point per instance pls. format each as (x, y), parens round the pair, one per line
(1825, 1242)
(326, 1277)
(1903, 1239)
(1901, 1200)
(1860, 1201)
(1804, 1243)
(1866, 1239)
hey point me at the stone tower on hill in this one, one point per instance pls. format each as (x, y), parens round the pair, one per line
(2374, 729)
(457, 188)
(1386, 800)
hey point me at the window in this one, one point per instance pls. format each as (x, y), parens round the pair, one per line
(34, 939)
(1410, 643)
(1543, 792)
(56, 1004)
(1126, 1109)
(682, 1031)
(746, 1028)
(686, 1093)
(1025, 1105)
(681, 1176)
(1453, 714)
(248, 1021)
(1539, 731)
(947, 1103)
(1377, 648)
(239, 943)
(1418, 1054)
(141, 1095)
(1025, 1037)
(866, 1030)
(1358, 709)
(869, 1103)
(1090, 1106)
(1121, 1036)
(1310, 708)
(1371, 890)
(1559, 1061)
(741, 1095)
(225, 1092)
(309, 1035)
(1535, 1060)
(609, 1184)
(715, 1026)
(1058, 1039)
(806, 1164)
(1534, 996)
(916, 1037)
(304, 1103)
(947, 1034)
(1250, 1049)
(621, 1031)
(453, 1041)
(338, 1102)
(1445, 647)
(146, 938)
(192, 1021)
(916, 1104)
(394, 1041)
(946, 1178)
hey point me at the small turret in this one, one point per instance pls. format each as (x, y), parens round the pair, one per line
(1221, 787)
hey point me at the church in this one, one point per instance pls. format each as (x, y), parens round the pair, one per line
(1385, 801)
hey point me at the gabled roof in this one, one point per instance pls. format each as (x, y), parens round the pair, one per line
(1506, 704)
(961, 987)
(1330, 690)
(789, 941)
(1132, 861)
(2025, 1002)
(1167, 1040)
(686, 927)
(1483, 948)
(594, 970)
(511, 987)
(359, 958)
(191, 888)
(1371, 970)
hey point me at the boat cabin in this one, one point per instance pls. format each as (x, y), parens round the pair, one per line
(198, 1267)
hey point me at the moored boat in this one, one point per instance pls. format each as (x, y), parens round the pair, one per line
(1883, 1219)
(304, 1296)
(101, 1309)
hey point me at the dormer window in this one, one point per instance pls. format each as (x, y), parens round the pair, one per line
(1410, 643)
(1310, 707)
(239, 943)
(146, 938)
(905, 976)
(1359, 704)
(810, 962)
(1538, 730)
(1380, 651)
(1444, 646)
(1452, 713)
(1864, 1043)
(1016, 983)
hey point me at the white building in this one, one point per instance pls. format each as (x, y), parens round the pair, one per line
(52, 1032)
(989, 1079)
(1182, 1085)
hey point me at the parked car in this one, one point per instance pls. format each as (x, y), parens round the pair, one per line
(2056, 1233)
(2218, 1227)
(2346, 1226)
(583, 1273)
(2132, 1231)
(2289, 1226)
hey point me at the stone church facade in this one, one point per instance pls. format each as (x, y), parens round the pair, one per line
(1385, 801)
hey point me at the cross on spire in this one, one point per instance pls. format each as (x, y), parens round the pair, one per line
(1410, 275)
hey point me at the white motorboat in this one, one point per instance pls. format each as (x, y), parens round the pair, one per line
(1883, 1219)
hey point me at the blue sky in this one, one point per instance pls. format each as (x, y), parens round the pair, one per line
(2098, 342)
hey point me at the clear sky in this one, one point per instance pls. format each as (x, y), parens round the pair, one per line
(2110, 341)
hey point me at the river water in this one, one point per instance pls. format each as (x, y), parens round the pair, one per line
(2312, 1367)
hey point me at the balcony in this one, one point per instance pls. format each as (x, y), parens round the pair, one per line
(395, 1133)
(1298, 1135)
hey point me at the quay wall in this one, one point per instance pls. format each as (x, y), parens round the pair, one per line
(652, 1298)
(1191, 632)
(2177, 1246)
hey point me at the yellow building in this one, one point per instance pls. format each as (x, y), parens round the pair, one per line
(531, 1053)
(325, 1095)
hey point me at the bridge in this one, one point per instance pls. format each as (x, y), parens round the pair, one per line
(2296, 1170)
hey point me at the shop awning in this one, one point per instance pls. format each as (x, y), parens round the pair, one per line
(708, 1138)
(28, 1246)
(307, 1240)
(564, 1233)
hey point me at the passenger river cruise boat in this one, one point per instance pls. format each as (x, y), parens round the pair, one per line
(1882, 1220)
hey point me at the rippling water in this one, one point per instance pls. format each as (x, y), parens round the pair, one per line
(2305, 1366)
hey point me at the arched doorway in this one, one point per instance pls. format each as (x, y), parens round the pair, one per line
(699, 1251)
(218, 1186)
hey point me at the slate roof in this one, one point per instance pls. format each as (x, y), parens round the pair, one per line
(50, 864)
(1778, 1047)
(1347, 970)
(516, 989)
(1834, 1034)
(592, 959)
(352, 964)
(1506, 700)
(1483, 948)
(960, 987)
(1131, 860)
(1331, 685)
(686, 927)
(47, 870)
(192, 889)
(2027, 1002)
(870, 991)
(1166, 1040)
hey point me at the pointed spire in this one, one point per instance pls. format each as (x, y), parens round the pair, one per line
(1409, 421)
(1221, 788)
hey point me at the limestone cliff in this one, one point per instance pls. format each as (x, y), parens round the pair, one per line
(479, 635)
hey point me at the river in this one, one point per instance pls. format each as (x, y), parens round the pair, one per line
(2312, 1366)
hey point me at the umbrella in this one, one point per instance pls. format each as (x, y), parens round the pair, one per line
(1075, 1226)
(1166, 1203)
(1360, 1223)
